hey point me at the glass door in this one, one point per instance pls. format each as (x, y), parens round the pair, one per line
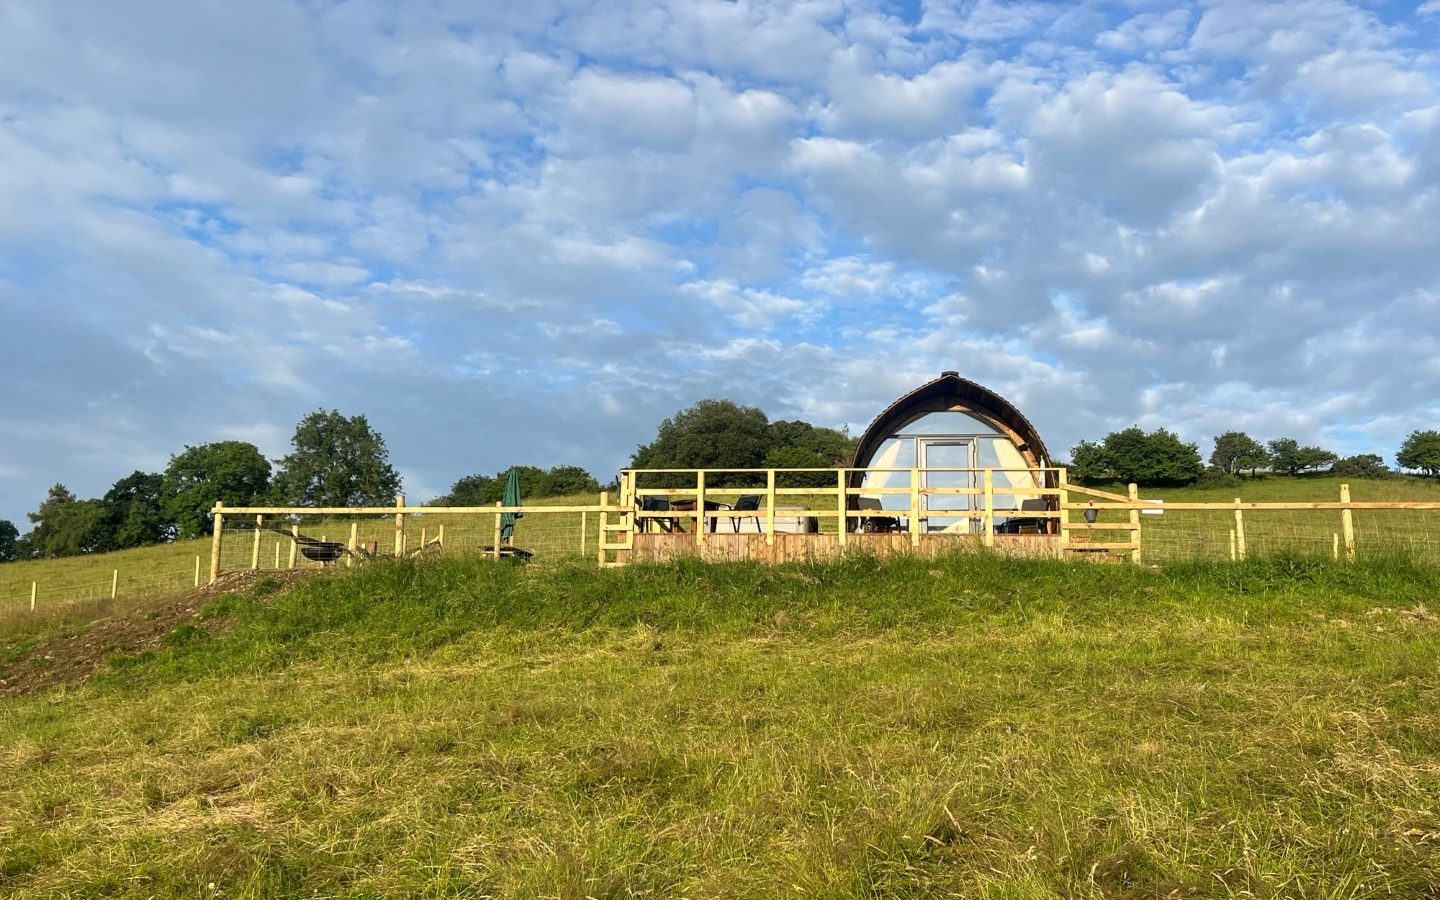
(947, 512)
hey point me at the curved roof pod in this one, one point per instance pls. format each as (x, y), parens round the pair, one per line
(950, 392)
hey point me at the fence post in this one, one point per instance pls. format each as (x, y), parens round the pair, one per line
(700, 507)
(584, 524)
(1062, 481)
(399, 525)
(440, 536)
(495, 545)
(989, 507)
(353, 545)
(1347, 524)
(197, 570)
(33, 586)
(255, 544)
(914, 506)
(424, 535)
(215, 541)
(114, 582)
(1135, 525)
(277, 554)
(842, 524)
(1239, 531)
(770, 507)
(294, 543)
(603, 517)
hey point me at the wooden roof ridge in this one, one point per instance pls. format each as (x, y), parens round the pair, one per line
(950, 384)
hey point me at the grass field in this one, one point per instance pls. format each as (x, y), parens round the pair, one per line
(970, 727)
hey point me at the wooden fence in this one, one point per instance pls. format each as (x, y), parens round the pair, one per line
(1077, 521)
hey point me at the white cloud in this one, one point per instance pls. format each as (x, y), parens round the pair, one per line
(747, 307)
(1148, 31)
(985, 20)
(221, 214)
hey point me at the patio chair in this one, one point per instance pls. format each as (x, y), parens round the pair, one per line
(1020, 524)
(649, 503)
(746, 502)
(875, 524)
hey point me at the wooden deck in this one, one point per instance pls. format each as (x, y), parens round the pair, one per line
(658, 547)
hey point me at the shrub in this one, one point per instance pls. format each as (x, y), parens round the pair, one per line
(1365, 465)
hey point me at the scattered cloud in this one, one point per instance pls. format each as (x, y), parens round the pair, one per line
(528, 233)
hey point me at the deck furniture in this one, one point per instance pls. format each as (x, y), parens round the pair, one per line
(875, 524)
(650, 503)
(745, 503)
(688, 505)
(1027, 524)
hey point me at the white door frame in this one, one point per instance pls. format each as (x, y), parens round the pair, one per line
(923, 445)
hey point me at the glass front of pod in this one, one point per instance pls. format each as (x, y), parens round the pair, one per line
(940, 443)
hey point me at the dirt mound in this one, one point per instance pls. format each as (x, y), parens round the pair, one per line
(74, 658)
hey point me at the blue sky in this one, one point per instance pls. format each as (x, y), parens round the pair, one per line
(528, 232)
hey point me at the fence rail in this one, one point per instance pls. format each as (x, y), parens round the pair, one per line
(983, 505)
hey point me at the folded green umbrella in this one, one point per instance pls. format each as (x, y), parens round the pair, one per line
(511, 498)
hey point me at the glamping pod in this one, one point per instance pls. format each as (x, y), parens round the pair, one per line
(952, 429)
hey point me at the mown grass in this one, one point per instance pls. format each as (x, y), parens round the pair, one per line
(970, 726)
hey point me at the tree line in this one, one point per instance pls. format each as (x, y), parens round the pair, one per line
(484, 490)
(335, 460)
(341, 461)
(1160, 458)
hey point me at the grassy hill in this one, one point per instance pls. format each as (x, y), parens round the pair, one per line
(970, 726)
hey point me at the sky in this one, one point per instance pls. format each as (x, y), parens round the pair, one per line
(528, 232)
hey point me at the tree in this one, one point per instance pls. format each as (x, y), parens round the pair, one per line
(473, 490)
(1236, 450)
(831, 447)
(563, 481)
(64, 526)
(1286, 455)
(336, 461)
(1157, 458)
(135, 512)
(483, 490)
(1088, 463)
(9, 536)
(1365, 465)
(1421, 450)
(712, 434)
(232, 472)
(793, 457)
(721, 434)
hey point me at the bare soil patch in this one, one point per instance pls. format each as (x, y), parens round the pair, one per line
(72, 659)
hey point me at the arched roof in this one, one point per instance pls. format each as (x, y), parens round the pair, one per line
(947, 392)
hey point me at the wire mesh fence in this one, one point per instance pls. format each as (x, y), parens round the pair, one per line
(1183, 535)
(271, 543)
(128, 579)
(278, 541)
